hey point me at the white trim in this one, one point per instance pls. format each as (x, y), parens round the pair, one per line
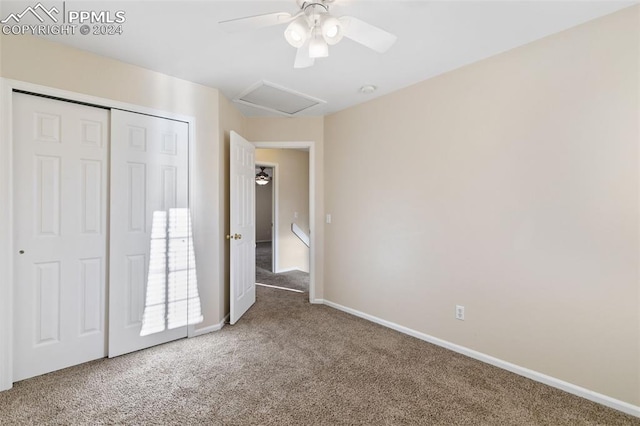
(6, 197)
(94, 100)
(616, 404)
(312, 202)
(6, 237)
(275, 196)
(317, 302)
(190, 192)
(282, 271)
(209, 329)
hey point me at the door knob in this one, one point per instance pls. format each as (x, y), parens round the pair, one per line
(229, 237)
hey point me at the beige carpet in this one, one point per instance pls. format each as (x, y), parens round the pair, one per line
(296, 280)
(290, 363)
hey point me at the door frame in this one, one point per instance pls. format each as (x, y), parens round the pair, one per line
(7, 86)
(274, 211)
(311, 146)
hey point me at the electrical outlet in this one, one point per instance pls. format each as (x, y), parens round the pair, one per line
(460, 312)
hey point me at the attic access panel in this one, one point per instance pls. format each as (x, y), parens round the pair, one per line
(274, 98)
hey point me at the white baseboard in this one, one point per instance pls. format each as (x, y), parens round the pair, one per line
(317, 302)
(280, 271)
(209, 329)
(616, 404)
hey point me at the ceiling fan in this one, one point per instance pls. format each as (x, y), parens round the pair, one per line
(313, 29)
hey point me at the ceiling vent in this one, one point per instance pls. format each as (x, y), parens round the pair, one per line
(274, 98)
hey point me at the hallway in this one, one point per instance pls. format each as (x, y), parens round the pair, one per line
(296, 280)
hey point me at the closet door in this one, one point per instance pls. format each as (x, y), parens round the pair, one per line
(60, 234)
(153, 291)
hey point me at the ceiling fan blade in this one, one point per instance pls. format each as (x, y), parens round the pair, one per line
(255, 22)
(303, 60)
(366, 34)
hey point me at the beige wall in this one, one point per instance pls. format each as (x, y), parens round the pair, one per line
(293, 196)
(509, 186)
(302, 129)
(38, 61)
(264, 209)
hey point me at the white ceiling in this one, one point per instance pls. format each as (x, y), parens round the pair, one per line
(183, 39)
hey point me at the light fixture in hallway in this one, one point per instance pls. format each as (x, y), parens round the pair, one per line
(262, 178)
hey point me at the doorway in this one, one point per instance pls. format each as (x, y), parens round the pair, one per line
(286, 182)
(310, 148)
(266, 207)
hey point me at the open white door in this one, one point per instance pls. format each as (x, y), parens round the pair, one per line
(153, 293)
(243, 226)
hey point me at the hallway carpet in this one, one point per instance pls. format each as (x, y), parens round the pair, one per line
(296, 280)
(287, 362)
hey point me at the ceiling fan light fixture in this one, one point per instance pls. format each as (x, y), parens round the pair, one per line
(262, 178)
(297, 32)
(313, 29)
(318, 48)
(331, 30)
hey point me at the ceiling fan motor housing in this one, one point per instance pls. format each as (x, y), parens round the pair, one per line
(314, 12)
(303, 3)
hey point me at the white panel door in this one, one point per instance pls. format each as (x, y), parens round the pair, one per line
(153, 288)
(60, 235)
(243, 226)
